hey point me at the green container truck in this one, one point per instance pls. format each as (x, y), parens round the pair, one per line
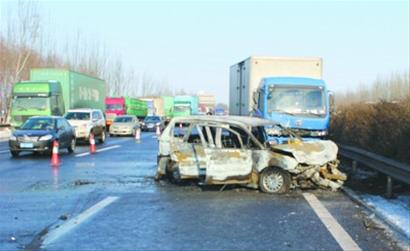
(136, 107)
(185, 106)
(168, 102)
(53, 92)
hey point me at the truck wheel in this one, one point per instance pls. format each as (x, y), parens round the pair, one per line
(71, 148)
(14, 154)
(102, 139)
(274, 180)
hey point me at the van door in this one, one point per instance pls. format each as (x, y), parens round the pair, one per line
(189, 153)
(227, 159)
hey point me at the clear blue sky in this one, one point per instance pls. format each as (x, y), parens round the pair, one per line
(192, 44)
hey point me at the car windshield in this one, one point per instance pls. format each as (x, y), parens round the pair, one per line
(30, 103)
(296, 100)
(115, 107)
(123, 119)
(152, 119)
(38, 124)
(77, 116)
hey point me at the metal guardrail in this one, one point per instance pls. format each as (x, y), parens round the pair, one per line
(391, 168)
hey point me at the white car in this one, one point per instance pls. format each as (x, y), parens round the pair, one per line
(87, 121)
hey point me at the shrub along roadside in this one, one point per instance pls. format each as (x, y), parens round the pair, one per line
(382, 128)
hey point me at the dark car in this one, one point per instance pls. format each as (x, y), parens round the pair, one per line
(38, 133)
(150, 123)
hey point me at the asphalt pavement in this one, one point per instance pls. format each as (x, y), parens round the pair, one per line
(110, 201)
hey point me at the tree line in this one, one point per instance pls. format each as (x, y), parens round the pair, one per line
(25, 44)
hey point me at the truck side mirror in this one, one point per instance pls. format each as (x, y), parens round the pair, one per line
(255, 97)
(331, 102)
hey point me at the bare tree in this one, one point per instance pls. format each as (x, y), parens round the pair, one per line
(21, 34)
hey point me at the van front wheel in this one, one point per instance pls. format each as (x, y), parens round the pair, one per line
(274, 180)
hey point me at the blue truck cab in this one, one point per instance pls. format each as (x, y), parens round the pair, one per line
(301, 104)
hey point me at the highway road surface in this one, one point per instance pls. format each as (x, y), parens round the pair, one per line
(110, 201)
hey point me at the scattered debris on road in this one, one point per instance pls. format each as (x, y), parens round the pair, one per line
(64, 217)
(83, 182)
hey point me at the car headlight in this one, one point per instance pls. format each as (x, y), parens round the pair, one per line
(318, 133)
(46, 137)
(13, 137)
(273, 131)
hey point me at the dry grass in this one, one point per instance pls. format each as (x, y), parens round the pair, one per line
(383, 128)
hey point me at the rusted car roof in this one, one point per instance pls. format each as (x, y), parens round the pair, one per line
(240, 120)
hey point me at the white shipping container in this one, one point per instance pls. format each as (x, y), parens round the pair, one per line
(246, 76)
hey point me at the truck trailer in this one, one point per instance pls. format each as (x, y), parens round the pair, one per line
(53, 92)
(290, 91)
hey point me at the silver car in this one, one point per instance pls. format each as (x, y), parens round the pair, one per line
(124, 125)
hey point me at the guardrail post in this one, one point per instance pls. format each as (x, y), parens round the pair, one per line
(389, 193)
(354, 166)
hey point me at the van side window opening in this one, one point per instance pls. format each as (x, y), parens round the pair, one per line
(196, 136)
(180, 131)
(95, 116)
(246, 138)
(227, 139)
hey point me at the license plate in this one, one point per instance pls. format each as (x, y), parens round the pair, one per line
(26, 145)
(150, 125)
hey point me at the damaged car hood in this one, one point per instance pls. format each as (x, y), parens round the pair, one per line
(311, 153)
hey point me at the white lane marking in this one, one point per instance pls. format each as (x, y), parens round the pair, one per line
(98, 150)
(5, 151)
(341, 236)
(56, 233)
(121, 140)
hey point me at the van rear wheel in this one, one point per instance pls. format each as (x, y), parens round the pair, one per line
(274, 180)
(71, 148)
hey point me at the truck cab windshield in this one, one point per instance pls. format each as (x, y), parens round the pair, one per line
(182, 109)
(295, 100)
(30, 103)
(114, 107)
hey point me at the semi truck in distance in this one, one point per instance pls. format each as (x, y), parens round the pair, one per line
(185, 106)
(168, 102)
(115, 106)
(53, 91)
(290, 91)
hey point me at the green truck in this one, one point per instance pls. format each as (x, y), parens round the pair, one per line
(185, 106)
(168, 102)
(53, 92)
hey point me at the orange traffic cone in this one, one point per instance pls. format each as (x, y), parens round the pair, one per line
(92, 143)
(55, 160)
(158, 132)
(138, 134)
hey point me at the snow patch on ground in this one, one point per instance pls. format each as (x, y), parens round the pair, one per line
(397, 211)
